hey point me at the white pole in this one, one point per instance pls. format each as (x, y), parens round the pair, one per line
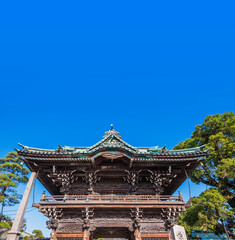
(14, 233)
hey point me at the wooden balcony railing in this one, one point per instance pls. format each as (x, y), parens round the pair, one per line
(111, 198)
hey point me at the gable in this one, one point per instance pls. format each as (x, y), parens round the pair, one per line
(112, 140)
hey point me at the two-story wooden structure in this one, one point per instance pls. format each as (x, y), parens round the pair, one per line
(111, 189)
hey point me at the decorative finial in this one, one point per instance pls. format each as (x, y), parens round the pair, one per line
(111, 127)
(164, 148)
(59, 148)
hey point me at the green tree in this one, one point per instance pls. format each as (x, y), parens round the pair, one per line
(12, 173)
(209, 212)
(218, 134)
(6, 222)
(24, 225)
(37, 234)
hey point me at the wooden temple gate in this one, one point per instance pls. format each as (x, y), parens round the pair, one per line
(104, 216)
(111, 189)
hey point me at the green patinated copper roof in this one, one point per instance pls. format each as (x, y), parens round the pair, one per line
(111, 141)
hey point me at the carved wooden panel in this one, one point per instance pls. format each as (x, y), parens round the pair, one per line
(69, 228)
(169, 215)
(109, 232)
(112, 185)
(51, 212)
(78, 187)
(91, 178)
(112, 156)
(145, 188)
(70, 217)
(133, 177)
(161, 179)
(152, 227)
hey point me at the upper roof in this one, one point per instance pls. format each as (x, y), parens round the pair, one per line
(112, 141)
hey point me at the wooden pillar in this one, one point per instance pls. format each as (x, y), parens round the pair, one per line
(14, 233)
(54, 235)
(132, 236)
(137, 235)
(86, 234)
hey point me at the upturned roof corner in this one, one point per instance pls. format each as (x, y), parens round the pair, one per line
(112, 141)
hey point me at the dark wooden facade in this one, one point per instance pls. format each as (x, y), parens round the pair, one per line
(111, 189)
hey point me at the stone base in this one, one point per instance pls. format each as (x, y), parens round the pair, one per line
(178, 233)
(13, 235)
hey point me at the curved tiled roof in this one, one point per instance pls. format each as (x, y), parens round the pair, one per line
(112, 142)
(40, 160)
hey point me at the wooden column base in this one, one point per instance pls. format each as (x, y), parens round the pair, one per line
(137, 235)
(86, 234)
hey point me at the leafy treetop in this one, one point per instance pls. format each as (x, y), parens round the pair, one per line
(208, 213)
(37, 234)
(218, 133)
(12, 172)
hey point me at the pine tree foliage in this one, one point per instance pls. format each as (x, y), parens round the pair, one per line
(5, 222)
(37, 234)
(12, 173)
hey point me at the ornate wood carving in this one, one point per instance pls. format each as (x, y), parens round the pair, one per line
(136, 215)
(67, 178)
(112, 156)
(132, 178)
(153, 228)
(87, 215)
(70, 228)
(54, 214)
(160, 179)
(169, 215)
(112, 139)
(53, 224)
(64, 178)
(91, 178)
(71, 218)
(112, 220)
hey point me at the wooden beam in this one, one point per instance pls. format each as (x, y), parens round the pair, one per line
(154, 235)
(114, 205)
(69, 235)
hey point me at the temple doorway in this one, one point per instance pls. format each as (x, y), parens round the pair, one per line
(111, 233)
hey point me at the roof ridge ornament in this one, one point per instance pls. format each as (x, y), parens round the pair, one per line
(112, 139)
(111, 132)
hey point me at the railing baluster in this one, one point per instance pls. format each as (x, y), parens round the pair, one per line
(113, 197)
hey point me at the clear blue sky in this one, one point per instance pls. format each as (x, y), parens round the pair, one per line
(155, 69)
